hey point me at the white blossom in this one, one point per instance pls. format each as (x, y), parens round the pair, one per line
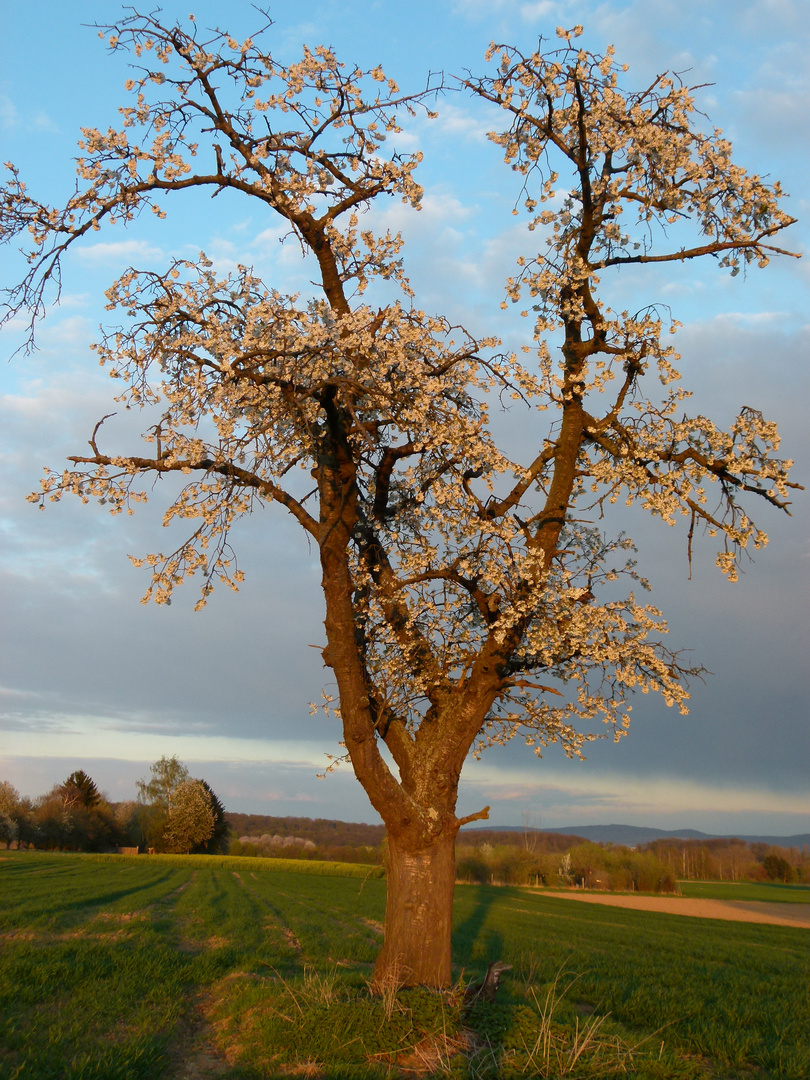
(470, 598)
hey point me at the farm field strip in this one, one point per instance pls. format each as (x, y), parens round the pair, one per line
(162, 963)
(648, 970)
(777, 914)
(769, 892)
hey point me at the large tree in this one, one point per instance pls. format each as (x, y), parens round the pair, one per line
(156, 797)
(469, 597)
(191, 820)
(167, 775)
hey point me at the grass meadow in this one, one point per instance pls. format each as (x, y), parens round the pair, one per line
(166, 967)
(769, 892)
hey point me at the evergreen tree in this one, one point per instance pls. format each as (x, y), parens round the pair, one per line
(80, 790)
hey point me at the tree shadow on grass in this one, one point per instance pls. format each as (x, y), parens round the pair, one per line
(476, 943)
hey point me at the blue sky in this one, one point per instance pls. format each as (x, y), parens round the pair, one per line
(91, 679)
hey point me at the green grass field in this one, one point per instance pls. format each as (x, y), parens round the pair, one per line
(163, 968)
(770, 892)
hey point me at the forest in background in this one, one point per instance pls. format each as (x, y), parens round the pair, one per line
(174, 812)
(177, 813)
(532, 856)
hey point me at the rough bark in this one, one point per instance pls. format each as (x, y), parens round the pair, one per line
(418, 912)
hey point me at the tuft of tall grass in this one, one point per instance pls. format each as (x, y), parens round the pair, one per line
(559, 1051)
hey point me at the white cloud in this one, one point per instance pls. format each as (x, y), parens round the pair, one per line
(71, 736)
(438, 209)
(632, 795)
(119, 251)
(45, 402)
(467, 123)
(683, 288)
(745, 318)
(539, 10)
(527, 11)
(779, 117)
(70, 300)
(788, 16)
(406, 141)
(8, 112)
(64, 335)
(11, 119)
(43, 122)
(17, 324)
(281, 244)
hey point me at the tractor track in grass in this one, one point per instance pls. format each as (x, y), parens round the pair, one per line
(274, 920)
(193, 1053)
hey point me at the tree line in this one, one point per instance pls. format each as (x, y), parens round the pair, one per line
(323, 832)
(276, 846)
(585, 865)
(174, 812)
(554, 859)
(531, 856)
(730, 859)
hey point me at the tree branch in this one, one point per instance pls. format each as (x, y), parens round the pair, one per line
(207, 465)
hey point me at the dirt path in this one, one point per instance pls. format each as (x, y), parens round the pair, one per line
(797, 915)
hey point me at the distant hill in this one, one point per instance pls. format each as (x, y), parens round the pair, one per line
(545, 841)
(328, 833)
(633, 835)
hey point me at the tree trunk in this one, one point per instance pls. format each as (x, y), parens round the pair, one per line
(418, 913)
